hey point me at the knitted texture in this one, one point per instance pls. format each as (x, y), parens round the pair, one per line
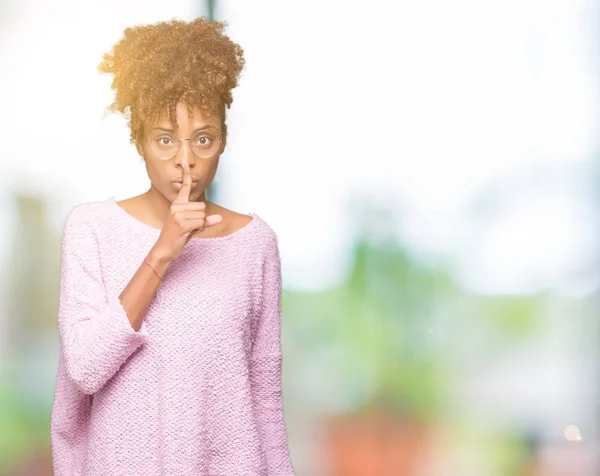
(197, 389)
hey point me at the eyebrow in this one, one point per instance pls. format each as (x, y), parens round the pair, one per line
(168, 129)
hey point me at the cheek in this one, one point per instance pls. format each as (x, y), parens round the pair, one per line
(157, 175)
(210, 173)
(152, 172)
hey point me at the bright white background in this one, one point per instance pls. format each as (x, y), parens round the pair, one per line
(473, 123)
(424, 106)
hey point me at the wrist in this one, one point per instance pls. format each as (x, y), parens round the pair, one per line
(159, 259)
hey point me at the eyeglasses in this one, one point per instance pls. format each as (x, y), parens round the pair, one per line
(165, 146)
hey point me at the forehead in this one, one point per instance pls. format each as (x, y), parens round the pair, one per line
(197, 118)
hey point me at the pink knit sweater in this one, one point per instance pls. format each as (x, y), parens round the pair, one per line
(197, 390)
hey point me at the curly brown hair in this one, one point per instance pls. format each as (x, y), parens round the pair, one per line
(156, 66)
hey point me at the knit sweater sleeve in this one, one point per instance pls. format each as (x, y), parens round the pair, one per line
(266, 367)
(95, 333)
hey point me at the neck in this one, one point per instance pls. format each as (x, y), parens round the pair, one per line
(158, 206)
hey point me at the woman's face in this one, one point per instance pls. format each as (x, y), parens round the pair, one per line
(162, 137)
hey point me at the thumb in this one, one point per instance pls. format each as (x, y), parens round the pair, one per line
(213, 220)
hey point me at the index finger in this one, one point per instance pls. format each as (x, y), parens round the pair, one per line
(186, 186)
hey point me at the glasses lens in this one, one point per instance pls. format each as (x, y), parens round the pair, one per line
(205, 145)
(165, 146)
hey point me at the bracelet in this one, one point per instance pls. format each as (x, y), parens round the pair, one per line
(153, 269)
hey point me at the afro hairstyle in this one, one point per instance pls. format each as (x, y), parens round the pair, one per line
(159, 65)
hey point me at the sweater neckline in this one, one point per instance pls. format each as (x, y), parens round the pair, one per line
(153, 231)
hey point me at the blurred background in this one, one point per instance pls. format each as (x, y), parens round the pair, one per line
(431, 170)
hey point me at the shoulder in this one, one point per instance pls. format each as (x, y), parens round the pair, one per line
(266, 240)
(85, 211)
(237, 221)
(82, 218)
(264, 235)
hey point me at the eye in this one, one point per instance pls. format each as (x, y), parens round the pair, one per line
(164, 140)
(203, 140)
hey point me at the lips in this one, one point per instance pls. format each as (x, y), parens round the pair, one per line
(178, 185)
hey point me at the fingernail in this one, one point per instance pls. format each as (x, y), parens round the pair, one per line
(184, 162)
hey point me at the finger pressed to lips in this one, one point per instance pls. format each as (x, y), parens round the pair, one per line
(178, 185)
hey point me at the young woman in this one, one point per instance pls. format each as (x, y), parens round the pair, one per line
(170, 305)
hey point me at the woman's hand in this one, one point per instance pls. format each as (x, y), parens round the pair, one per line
(183, 219)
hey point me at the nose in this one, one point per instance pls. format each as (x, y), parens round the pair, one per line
(185, 152)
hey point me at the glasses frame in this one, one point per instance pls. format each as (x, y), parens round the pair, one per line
(179, 148)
